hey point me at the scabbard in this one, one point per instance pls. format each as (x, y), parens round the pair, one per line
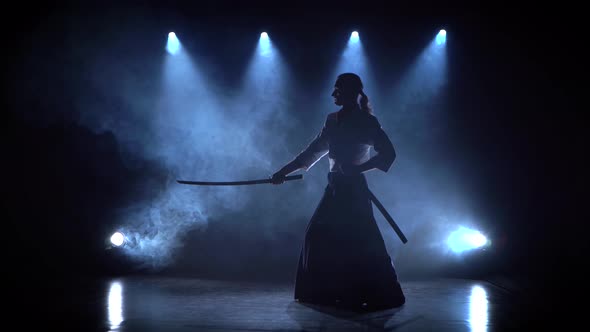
(388, 217)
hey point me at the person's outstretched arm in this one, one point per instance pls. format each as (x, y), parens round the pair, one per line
(307, 158)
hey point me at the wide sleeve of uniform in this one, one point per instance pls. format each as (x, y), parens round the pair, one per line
(318, 148)
(382, 145)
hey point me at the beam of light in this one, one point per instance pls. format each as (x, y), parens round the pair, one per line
(478, 309)
(264, 45)
(419, 92)
(182, 125)
(173, 44)
(262, 97)
(426, 76)
(117, 239)
(115, 305)
(354, 37)
(416, 117)
(465, 239)
(185, 94)
(441, 37)
(354, 60)
(186, 112)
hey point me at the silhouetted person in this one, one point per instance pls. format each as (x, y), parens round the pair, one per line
(344, 261)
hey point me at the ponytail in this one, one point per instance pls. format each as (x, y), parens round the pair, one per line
(365, 106)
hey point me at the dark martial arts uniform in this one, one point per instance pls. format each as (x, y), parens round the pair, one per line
(344, 261)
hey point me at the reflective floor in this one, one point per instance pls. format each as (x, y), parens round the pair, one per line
(184, 304)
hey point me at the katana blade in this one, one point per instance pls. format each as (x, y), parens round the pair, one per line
(237, 183)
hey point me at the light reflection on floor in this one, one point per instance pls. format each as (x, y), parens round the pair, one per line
(115, 305)
(177, 304)
(478, 309)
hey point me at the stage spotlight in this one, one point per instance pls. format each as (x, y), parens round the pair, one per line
(354, 36)
(173, 44)
(264, 45)
(466, 239)
(117, 239)
(441, 37)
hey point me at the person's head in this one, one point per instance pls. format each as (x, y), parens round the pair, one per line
(347, 89)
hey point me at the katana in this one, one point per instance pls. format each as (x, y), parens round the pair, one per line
(238, 183)
(374, 199)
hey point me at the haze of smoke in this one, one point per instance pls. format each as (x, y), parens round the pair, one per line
(172, 110)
